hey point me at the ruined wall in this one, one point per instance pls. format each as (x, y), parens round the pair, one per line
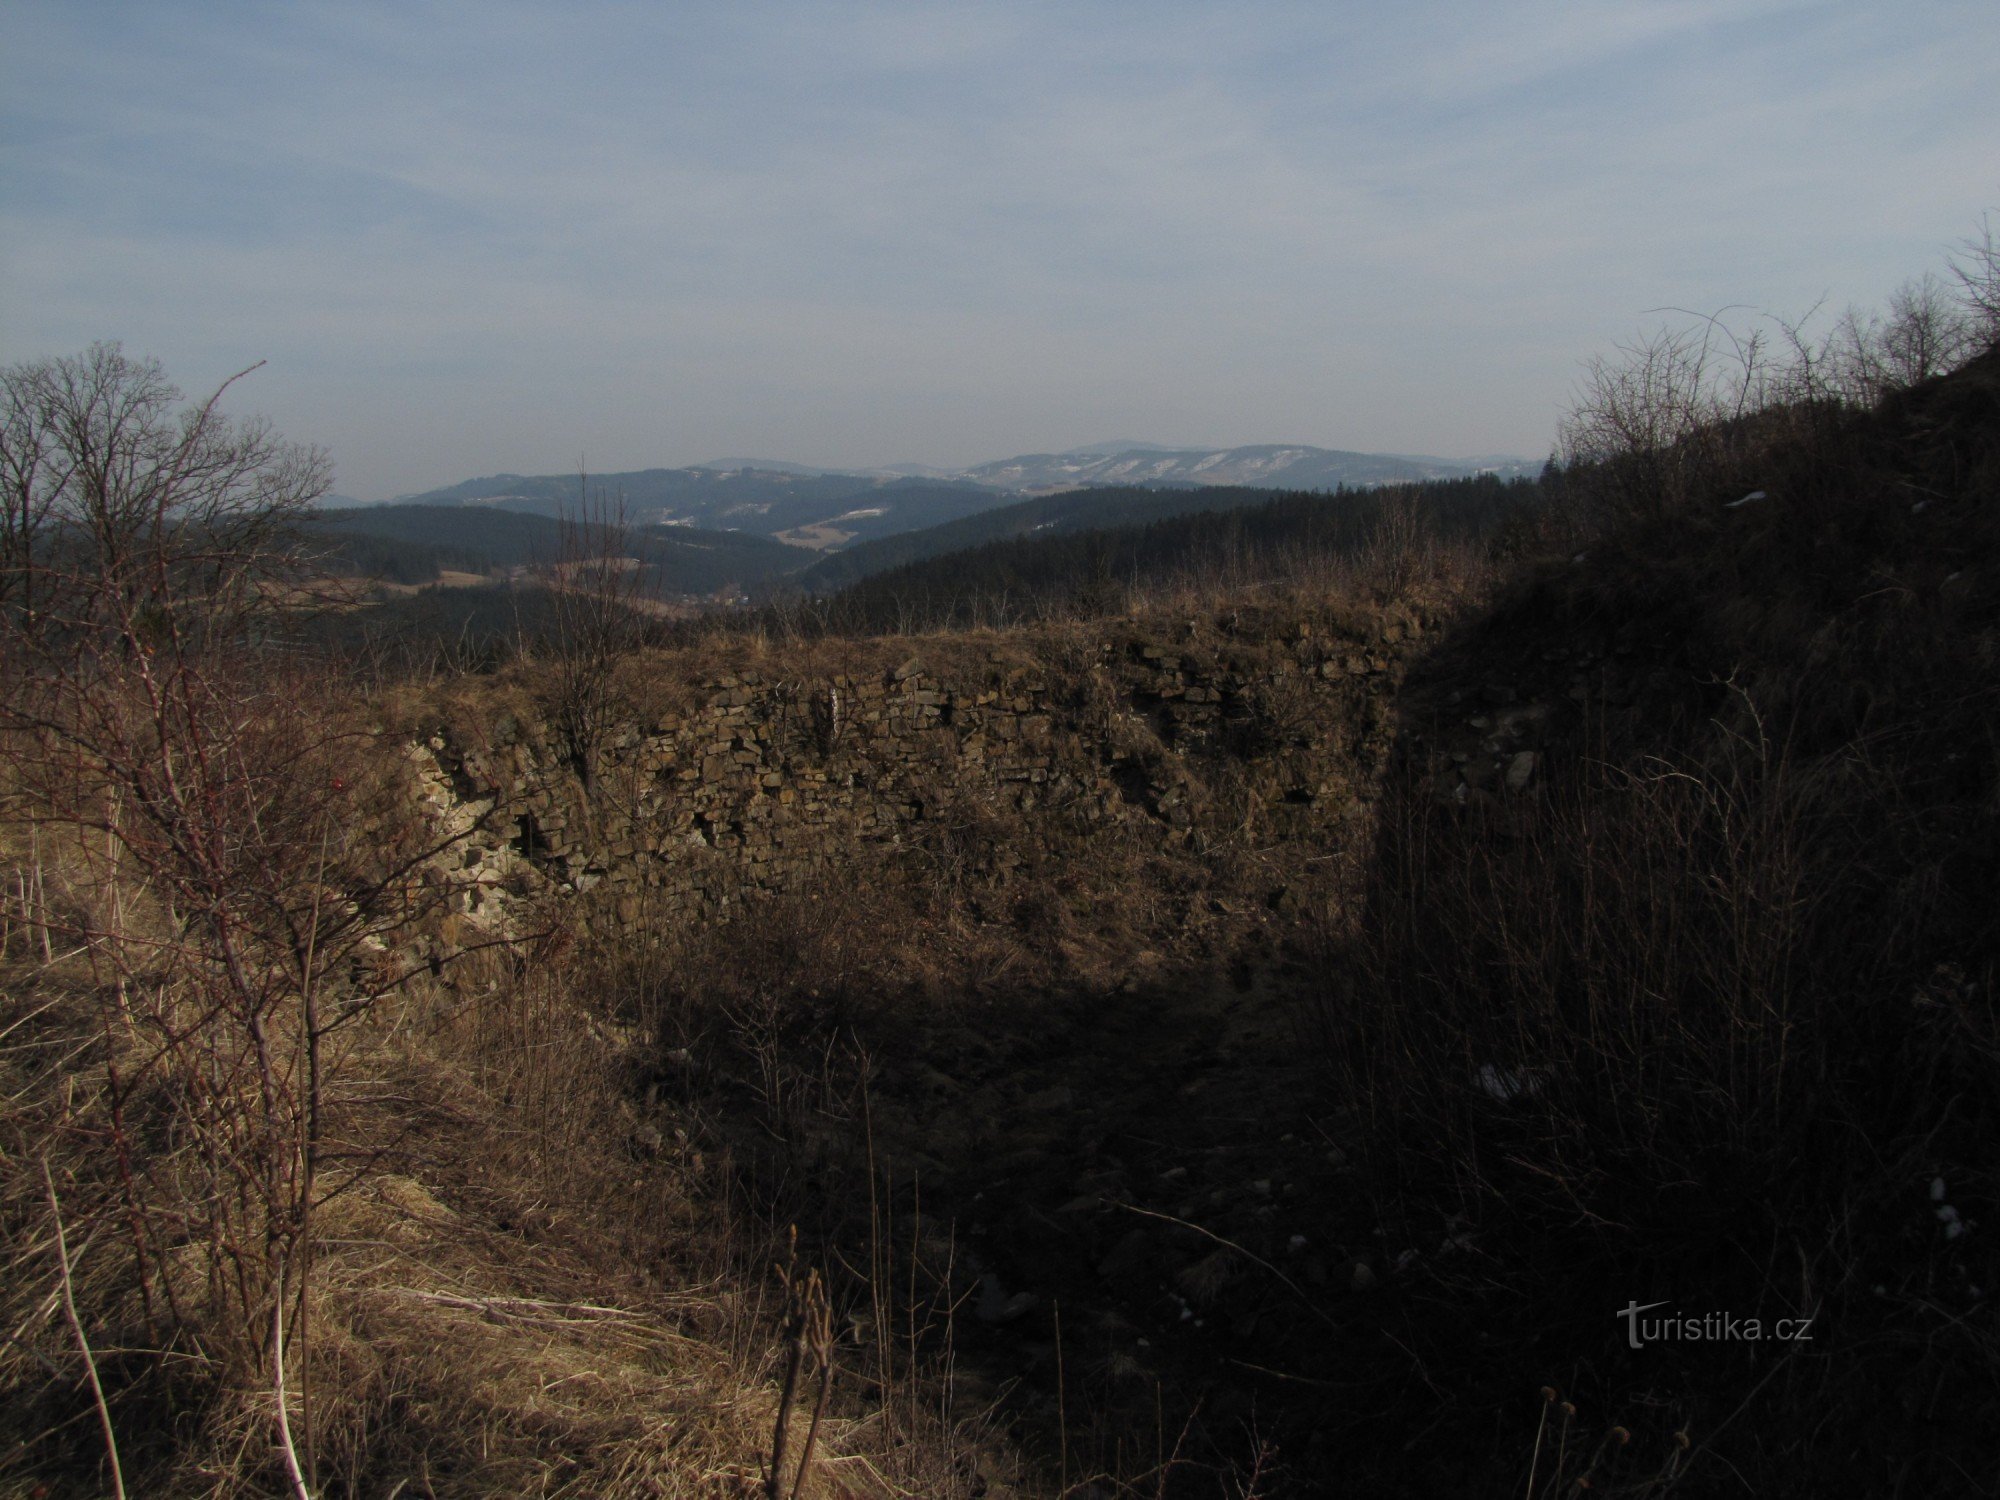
(762, 779)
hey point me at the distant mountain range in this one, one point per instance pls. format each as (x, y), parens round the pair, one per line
(1262, 465)
(750, 526)
(808, 508)
(822, 509)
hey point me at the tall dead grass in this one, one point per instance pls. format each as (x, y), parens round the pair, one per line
(1704, 1016)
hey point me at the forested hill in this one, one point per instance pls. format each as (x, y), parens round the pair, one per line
(834, 508)
(410, 543)
(413, 543)
(1082, 564)
(1071, 511)
(1103, 509)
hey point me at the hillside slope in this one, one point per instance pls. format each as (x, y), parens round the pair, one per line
(1674, 984)
(761, 501)
(1076, 565)
(1509, 1016)
(685, 559)
(1063, 514)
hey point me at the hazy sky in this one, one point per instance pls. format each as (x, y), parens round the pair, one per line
(490, 237)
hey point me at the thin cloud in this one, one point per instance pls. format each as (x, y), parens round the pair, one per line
(469, 237)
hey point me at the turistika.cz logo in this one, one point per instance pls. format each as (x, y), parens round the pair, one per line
(1708, 1328)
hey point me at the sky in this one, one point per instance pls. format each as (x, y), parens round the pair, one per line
(475, 238)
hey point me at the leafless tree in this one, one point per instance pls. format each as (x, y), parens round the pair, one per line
(121, 516)
(1925, 330)
(1655, 413)
(1977, 267)
(598, 596)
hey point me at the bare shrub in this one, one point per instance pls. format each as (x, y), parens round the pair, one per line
(1662, 1026)
(1976, 267)
(1924, 332)
(1654, 421)
(1691, 408)
(232, 868)
(598, 590)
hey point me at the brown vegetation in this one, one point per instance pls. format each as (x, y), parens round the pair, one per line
(1231, 1145)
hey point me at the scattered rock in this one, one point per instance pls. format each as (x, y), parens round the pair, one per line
(1130, 1256)
(1504, 1085)
(1521, 769)
(996, 1307)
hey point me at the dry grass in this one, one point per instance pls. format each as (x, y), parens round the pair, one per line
(1700, 1015)
(510, 1294)
(1703, 1017)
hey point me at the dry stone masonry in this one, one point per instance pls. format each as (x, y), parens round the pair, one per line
(763, 781)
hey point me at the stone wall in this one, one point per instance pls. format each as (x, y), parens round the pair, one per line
(761, 780)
